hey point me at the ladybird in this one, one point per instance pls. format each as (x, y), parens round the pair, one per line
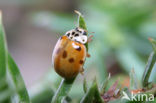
(70, 53)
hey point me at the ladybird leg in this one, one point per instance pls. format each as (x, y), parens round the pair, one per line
(82, 71)
(88, 55)
(90, 38)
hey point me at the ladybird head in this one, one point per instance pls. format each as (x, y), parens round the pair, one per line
(78, 35)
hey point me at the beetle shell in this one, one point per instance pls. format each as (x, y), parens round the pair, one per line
(68, 57)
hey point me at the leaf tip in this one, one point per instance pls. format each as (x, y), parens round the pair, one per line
(77, 12)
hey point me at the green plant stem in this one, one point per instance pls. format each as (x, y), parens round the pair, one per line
(148, 69)
(63, 90)
(85, 86)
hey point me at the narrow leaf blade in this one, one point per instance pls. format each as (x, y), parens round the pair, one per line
(153, 42)
(92, 95)
(134, 83)
(104, 85)
(149, 66)
(4, 91)
(18, 81)
(3, 56)
(85, 87)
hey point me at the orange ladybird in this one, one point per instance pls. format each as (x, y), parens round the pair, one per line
(70, 52)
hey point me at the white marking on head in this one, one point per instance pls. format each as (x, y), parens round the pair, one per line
(78, 35)
(81, 39)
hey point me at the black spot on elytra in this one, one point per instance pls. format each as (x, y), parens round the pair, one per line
(78, 49)
(71, 37)
(80, 31)
(76, 35)
(71, 60)
(81, 62)
(64, 55)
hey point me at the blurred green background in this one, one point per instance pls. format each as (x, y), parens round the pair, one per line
(120, 43)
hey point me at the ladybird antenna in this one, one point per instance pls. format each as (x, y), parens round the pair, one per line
(91, 32)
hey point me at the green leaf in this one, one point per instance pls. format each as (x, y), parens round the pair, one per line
(3, 56)
(4, 91)
(85, 87)
(153, 42)
(134, 83)
(17, 81)
(92, 95)
(81, 21)
(63, 90)
(104, 85)
(82, 24)
(148, 69)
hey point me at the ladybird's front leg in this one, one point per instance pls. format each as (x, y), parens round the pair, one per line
(89, 40)
(88, 55)
(82, 71)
